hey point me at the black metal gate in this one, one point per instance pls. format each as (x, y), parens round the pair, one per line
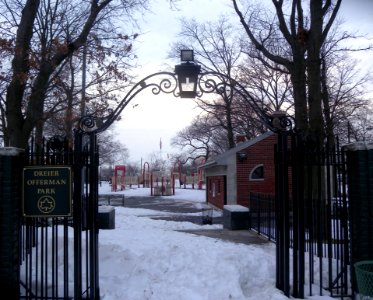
(59, 255)
(312, 235)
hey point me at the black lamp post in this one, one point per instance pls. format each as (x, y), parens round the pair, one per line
(187, 74)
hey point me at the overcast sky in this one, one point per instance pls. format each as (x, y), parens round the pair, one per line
(160, 117)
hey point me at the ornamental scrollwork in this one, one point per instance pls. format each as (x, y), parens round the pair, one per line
(166, 85)
(281, 122)
(213, 82)
(208, 82)
(87, 123)
(161, 82)
(90, 122)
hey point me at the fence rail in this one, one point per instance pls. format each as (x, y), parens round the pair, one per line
(263, 215)
(59, 255)
(328, 255)
(307, 218)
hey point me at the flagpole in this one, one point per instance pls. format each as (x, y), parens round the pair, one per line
(160, 147)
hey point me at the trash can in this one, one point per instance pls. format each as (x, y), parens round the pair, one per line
(106, 217)
(364, 278)
(207, 215)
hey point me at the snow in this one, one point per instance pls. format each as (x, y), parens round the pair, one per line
(143, 258)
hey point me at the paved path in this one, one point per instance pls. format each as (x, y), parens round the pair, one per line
(181, 213)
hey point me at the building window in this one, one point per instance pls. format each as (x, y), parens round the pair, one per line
(257, 173)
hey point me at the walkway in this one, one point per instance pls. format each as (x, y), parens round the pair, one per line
(182, 211)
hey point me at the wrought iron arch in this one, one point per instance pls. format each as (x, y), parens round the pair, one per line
(86, 151)
(207, 83)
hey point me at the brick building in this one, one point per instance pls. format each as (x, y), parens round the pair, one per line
(249, 167)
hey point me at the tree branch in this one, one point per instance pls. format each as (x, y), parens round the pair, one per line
(331, 19)
(258, 45)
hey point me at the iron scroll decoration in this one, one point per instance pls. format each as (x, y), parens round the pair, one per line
(160, 82)
(214, 82)
(207, 83)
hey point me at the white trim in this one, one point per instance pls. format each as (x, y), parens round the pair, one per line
(253, 170)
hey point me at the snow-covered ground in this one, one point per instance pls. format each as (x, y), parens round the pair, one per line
(143, 258)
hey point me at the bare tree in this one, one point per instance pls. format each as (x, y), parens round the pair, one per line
(269, 83)
(345, 93)
(201, 140)
(106, 77)
(362, 125)
(36, 60)
(112, 151)
(294, 40)
(246, 122)
(219, 49)
(345, 88)
(158, 163)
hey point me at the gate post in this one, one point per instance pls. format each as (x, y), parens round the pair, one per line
(282, 214)
(360, 193)
(85, 206)
(10, 200)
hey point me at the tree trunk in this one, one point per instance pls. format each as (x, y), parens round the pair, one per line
(298, 78)
(39, 138)
(19, 127)
(16, 136)
(314, 70)
(69, 119)
(329, 125)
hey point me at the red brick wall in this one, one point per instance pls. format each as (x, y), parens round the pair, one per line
(216, 190)
(260, 153)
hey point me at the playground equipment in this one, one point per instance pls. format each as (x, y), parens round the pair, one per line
(184, 180)
(162, 185)
(118, 178)
(200, 178)
(145, 176)
(177, 172)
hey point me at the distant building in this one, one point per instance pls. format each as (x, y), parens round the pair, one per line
(249, 167)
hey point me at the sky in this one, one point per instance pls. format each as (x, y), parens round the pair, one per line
(159, 118)
(148, 259)
(156, 119)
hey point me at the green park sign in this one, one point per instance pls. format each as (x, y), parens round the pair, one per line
(46, 191)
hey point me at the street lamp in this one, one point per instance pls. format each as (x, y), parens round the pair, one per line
(187, 74)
